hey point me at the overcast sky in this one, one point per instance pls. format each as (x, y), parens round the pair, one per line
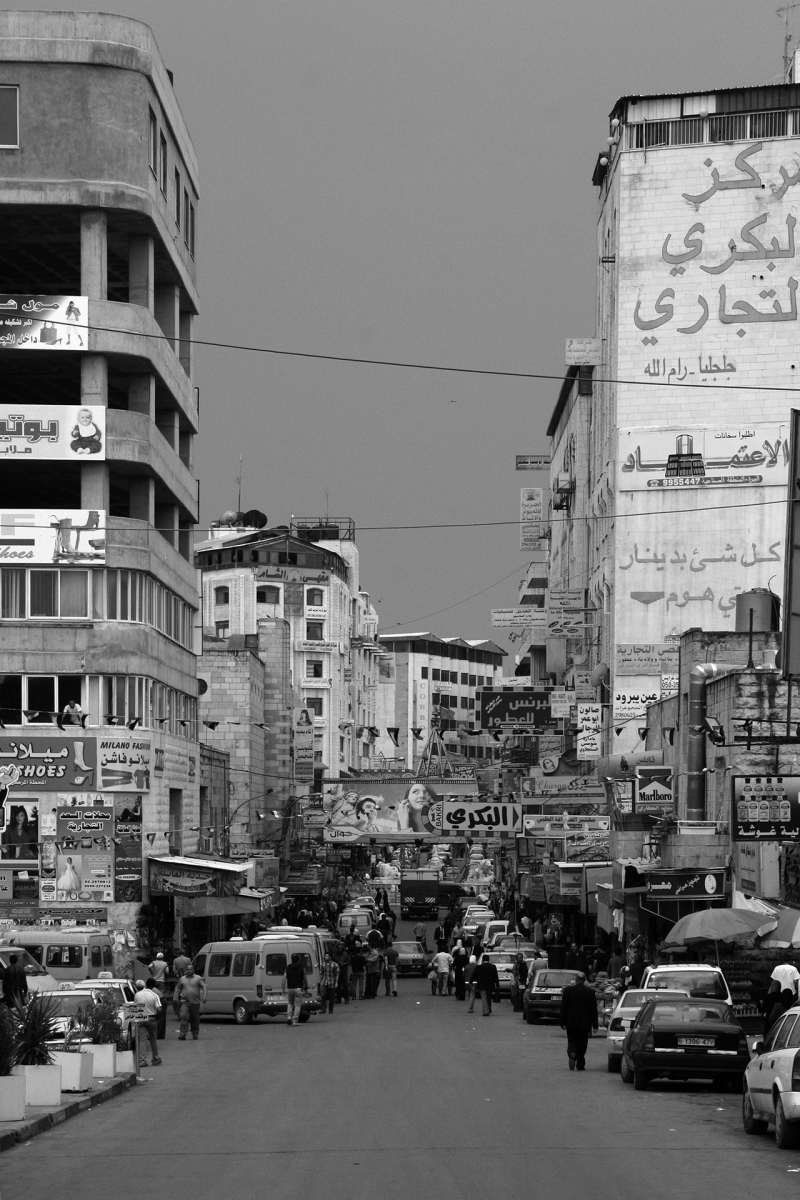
(410, 180)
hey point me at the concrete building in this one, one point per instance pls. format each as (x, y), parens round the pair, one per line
(428, 676)
(669, 467)
(100, 209)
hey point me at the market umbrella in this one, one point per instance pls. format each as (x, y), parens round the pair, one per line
(787, 931)
(718, 925)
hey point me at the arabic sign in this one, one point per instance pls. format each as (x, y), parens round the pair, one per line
(128, 849)
(590, 727)
(44, 322)
(561, 703)
(530, 519)
(172, 879)
(693, 457)
(570, 880)
(52, 432)
(560, 785)
(316, 647)
(66, 536)
(527, 615)
(533, 462)
(123, 762)
(84, 865)
(557, 825)
(568, 625)
(526, 706)
(650, 658)
(686, 884)
(631, 700)
(387, 808)
(53, 764)
(654, 791)
(584, 690)
(455, 817)
(583, 352)
(304, 748)
(766, 808)
(561, 601)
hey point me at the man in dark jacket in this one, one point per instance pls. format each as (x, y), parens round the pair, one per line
(15, 983)
(578, 1017)
(486, 982)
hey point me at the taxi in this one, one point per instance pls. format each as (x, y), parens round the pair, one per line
(771, 1093)
(542, 995)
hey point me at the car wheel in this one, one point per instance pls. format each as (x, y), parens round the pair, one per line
(240, 1014)
(304, 1016)
(750, 1122)
(613, 1064)
(787, 1133)
(625, 1072)
(530, 1016)
(640, 1078)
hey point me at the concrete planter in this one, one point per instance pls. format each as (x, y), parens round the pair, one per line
(105, 1061)
(12, 1098)
(126, 1062)
(42, 1085)
(76, 1071)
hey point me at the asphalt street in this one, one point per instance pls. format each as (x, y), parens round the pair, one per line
(398, 1099)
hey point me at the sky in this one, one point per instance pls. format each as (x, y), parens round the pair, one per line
(410, 180)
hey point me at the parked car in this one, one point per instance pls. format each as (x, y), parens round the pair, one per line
(474, 918)
(504, 961)
(700, 980)
(413, 960)
(542, 995)
(38, 979)
(73, 998)
(684, 1038)
(622, 1017)
(492, 930)
(772, 1083)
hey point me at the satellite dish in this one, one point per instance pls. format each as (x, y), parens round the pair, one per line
(599, 675)
(255, 518)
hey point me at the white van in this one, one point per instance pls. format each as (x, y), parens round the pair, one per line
(245, 978)
(69, 954)
(38, 979)
(324, 941)
(361, 918)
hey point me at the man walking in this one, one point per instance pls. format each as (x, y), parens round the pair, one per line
(329, 979)
(578, 1017)
(486, 982)
(15, 983)
(440, 937)
(358, 964)
(421, 934)
(390, 960)
(343, 990)
(148, 1002)
(443, 963)
(295, 984)
(189, 994)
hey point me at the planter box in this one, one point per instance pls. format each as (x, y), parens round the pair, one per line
(76, 1070)
(12, 1098)
(105, 1061)
(126, 1062)
(42, 1085)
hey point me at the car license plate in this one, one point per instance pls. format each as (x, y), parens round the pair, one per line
(696, 1042)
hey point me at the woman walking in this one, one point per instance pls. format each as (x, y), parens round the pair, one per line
(460, 960)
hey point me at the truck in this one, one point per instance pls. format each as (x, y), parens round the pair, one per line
(419, 893)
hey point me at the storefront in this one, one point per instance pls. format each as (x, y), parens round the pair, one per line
(207, 898)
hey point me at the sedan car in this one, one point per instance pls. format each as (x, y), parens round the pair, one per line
(74, 999)
(504, 961)
(686, 1038)
(413, 960)
(624, 1014)
(542, 995)
(772, 1083)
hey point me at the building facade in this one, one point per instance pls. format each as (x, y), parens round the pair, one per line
(97, 494)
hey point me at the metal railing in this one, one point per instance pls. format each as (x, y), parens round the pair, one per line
(720, 127)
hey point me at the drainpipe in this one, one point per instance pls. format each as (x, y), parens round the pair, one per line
(696, 755)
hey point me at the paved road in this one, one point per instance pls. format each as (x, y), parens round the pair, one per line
(398, 1099)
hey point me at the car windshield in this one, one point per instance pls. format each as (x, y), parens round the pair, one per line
(24, 960)
(71, 1003)
(635, 999)
(685, 1013)
(408, 947)
(499, 957)
(696, 983)
(554, 979)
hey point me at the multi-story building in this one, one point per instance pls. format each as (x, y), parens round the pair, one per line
(672, 461)
(97, 494)
(296, 588)
(428, 677)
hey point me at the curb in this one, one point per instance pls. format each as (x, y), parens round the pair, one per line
(25, 1130)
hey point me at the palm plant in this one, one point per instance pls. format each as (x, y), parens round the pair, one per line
(35, 1024)
(7, 1040)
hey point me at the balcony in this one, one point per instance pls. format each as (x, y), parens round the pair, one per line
(720, 127)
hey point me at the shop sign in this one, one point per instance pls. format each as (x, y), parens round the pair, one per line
(686, 884)
(766, 808)
(561, 703)
(304, 748)
(545, 825)
(583, 686)
(570, 880)
(536, 888)
(177, 880)
(315, 613)
(128, 849)
(525, 706)
(590, 732)
(583, 352)
(516, 618)
(63, 432)
(646, 658)
(530, 519)
(23, 912)
(581, 786)
(124, 763)
(293, 575)
(654, 790)
(84, 861)
(49, 764)
(455, 817)
(66, 536)
(44, 322)
(631, 701)
(311, 647)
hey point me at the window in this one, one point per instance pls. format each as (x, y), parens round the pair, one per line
(162, 163)
(454, 676)
(274, 964)
(9, 117)
(153, 143)
(436, 698)
(11, 699)
(219, 966)
(473, 681)
(64, 956)
(44, 593)
(314, 705)
(108, 957)
(13, 590)
(221, 628)
(222, 595)
(186, 217)
(423, 672)
(436, 674)
(244, 964)
(178, 199)
(782, 1040)
(792, 1041)
(191, 230)
(314, 598)
(464, 679)
(313, 668)
(97, 958)
(465, 702)
(200, 964)
(268, 595)
(314, 631)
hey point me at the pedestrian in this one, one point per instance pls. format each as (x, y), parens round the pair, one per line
(486, 983)
(442, 961)
(15, 983)
(189, 993)
(440, 937)
(537, 933)
(519, 978)
(469, 981)
(390, 959)
(421, 934)
(578, 1017)
(375, 939)
(373, 971)
(343, 991)
(576, 960)
(358, 965)
(351, 939)
(637, 969)
(158, 971)
(329, 981)
(148, 1002)
(787, 976)
(460, 960)
(295, 984)
(615, 963)
(385, 927)
(180, 962)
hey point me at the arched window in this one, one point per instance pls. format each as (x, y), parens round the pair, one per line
(314, 598)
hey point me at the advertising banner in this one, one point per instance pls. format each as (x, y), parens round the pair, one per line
(47, 431)
(128, 849)
(44, 322)
(524, 706)
(178, 879)
(19, 841)
(526, 615)
(632, 699)
(66, 536)
(530, 518)
(686, 884)
(766, 808)
(649, 658)
(454, 817)
(583, 352)
(590, 735)
(387, 808)
(304, 748)
(124, 762)
(654, 791)
(52, 764)
(84, 863)
(532, 462)
(692, 456)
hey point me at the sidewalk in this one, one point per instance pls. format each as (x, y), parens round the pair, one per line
(38, 1120)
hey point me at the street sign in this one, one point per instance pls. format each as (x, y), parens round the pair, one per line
(583, 352)
(533, 462)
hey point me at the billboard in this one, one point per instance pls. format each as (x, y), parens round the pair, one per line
(124, 762)
(128, 849)
(68, 537)
(304, 748)
(388, 808)
(692, 456)
(530, 519)
(686, 884)
(84, 860)
(523, 706)
(766, 808)
(479, 819)
(52, 764)
(527, 615)
(44, 322)
(47, 431)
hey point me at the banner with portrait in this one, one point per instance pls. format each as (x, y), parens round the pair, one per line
(388, 808)
(84, 862)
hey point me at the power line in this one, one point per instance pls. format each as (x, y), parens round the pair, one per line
(413, 620)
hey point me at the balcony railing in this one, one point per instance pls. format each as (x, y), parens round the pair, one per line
(721, 127)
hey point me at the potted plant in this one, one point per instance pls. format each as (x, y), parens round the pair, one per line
(101, 1024)
(12, 1087)
(35, 1028)
(76, 1067)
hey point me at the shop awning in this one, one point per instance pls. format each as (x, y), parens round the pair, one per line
(214, 864)
(215, 906)
(175, 875)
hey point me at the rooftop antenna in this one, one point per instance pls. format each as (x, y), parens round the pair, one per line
(787, 37)
(326, 506)
(239, 481)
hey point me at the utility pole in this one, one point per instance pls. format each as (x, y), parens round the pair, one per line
(787, 37)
